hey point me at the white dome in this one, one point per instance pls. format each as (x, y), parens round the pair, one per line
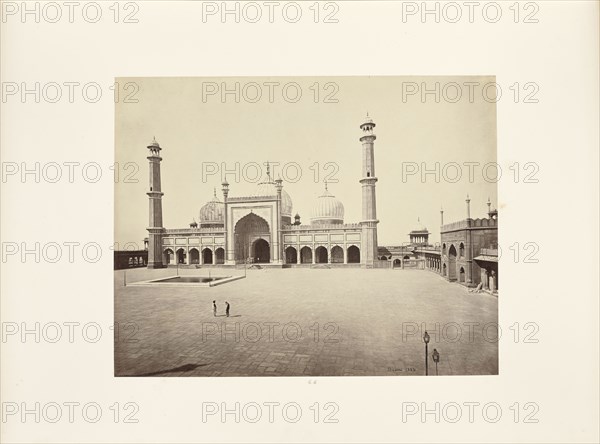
(265, 189)
(212, 212)
(327, 210)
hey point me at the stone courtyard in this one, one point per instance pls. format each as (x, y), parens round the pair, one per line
(303, 322)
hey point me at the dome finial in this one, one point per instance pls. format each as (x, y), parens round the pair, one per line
(325, 182)
(268, 172)
(215, 192)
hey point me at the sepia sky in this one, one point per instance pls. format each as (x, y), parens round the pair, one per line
(197, 130)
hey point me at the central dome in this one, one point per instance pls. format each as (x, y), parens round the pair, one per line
(327, 210)
(265, 189)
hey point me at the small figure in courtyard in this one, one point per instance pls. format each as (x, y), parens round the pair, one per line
(477, 289)
(226, 308)
(214, 308)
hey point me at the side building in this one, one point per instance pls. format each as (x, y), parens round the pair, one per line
(469, 250)
(467, 253)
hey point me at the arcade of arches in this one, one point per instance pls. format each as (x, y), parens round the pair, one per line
(321, 255)
(194, 256)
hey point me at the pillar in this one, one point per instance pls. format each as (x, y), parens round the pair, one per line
(229, 236)
(314, 255)
(214, 262)
(298, 255)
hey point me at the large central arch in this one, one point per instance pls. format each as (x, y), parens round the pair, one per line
(249, 230)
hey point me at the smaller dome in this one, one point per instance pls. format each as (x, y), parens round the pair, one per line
(213, 212)
(327, 209)
(154, 143)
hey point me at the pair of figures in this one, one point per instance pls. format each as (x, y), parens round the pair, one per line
(215, 308)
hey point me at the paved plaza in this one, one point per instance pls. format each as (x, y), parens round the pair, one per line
(303, 322)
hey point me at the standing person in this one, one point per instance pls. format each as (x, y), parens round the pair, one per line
(215, 308)
(226, 308)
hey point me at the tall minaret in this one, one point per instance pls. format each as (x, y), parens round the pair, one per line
(155, 227)
(369, 209)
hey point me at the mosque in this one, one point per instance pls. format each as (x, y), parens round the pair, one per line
(258, 228)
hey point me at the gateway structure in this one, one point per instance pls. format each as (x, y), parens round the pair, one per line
(258, 228)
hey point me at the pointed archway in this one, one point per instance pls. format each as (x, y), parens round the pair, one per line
(220, 255)
(452, 263)
(167, 256)
(353, 254)
(291, 255)
(207, 256)
(248, 230)
(306, 255)
(194, 256)
(321, 255)
(261, 251)
(337, 255)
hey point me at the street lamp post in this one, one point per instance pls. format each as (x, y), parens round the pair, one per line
(436, 358)
(426, 340)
